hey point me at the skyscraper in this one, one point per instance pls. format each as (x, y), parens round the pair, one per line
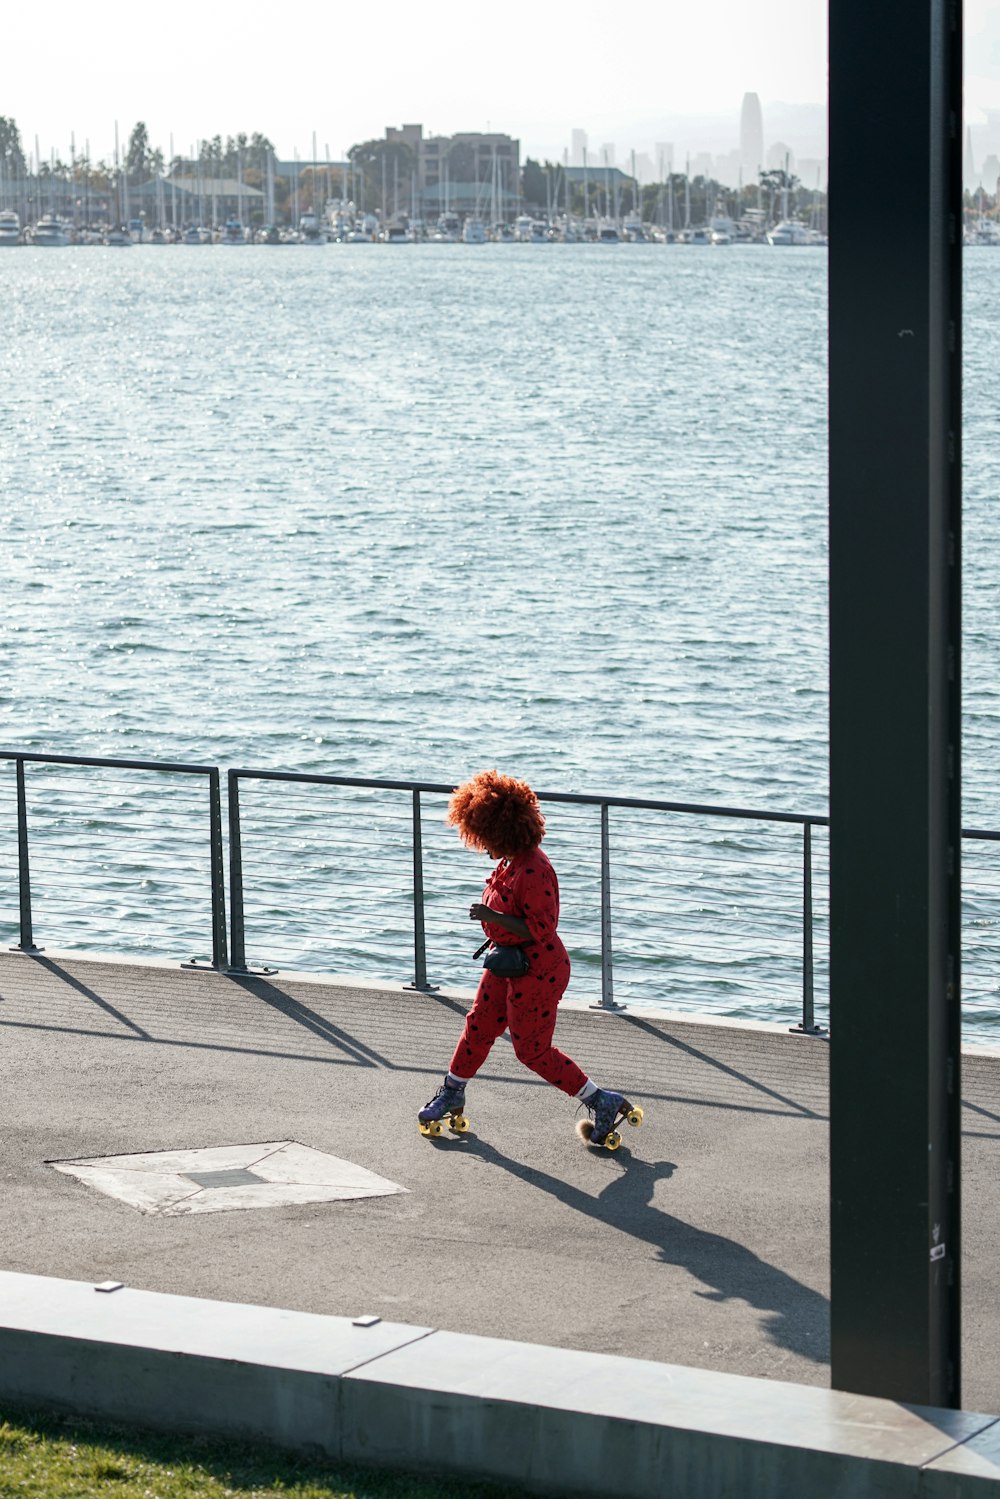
(751, 137)
(579, 145)
(969, 172)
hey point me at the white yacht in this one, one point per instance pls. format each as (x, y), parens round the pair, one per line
(310, 229)
(10, 228)
(789, 232)
(396, 234)
(522, 228)
(119, 239)
(607, 233)
(232, 233)
(721, 229)
(50, 233)
(448, 231)
(474, 232)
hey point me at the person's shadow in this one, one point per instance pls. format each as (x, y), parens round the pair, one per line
(796, 1317)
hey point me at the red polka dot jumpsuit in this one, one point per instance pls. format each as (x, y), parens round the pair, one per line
(524, 886)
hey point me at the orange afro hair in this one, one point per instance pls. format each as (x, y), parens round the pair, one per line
(497, 814)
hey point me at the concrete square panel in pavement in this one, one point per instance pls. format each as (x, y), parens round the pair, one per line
(217, 1179)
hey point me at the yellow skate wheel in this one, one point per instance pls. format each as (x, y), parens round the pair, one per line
(613, 1139)
(459, 1123)
(436, 1127)
(634, 1116)
(424, 1129)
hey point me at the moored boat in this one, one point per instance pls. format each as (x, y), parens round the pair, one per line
(50, 233)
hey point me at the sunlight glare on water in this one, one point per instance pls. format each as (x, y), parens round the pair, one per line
(410, 512)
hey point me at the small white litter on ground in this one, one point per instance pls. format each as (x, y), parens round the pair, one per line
(221, 1178)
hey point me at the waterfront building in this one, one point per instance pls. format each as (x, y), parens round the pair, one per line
(469, 172)
(203, 198)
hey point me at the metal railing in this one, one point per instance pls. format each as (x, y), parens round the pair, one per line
(81, 832)
(277, 831)
(339, 868)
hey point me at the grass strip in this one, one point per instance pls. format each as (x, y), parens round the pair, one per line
(45, 1456)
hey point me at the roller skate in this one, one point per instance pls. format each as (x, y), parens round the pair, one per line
(608, 1109)
(448, 1101)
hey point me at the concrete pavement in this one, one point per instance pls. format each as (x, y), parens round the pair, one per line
(703, 1241)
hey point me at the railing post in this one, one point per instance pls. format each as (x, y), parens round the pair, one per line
(26, 943)
(237, 932)
(607, 963)
(220, 959)
(419, 935)
(808, 1026)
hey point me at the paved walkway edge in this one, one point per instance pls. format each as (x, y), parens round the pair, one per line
(551, 1420)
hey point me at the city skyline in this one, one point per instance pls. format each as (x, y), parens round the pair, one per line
(190, 72)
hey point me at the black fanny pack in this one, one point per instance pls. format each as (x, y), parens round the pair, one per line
(508, 961)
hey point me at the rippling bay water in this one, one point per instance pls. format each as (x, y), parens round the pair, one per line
(407, 512)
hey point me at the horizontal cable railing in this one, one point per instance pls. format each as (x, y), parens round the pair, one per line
(693, 906)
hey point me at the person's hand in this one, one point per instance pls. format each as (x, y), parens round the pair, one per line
(479, 912)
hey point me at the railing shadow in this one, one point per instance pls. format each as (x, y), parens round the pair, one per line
(796, 1318)
(709, 1061)
(311, 1020)
(69, 979)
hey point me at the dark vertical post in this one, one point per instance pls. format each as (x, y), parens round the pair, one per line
(808, 1027)
(219, 958)
(607, 952)
(895, 527)
(419, 937)
(237, 932)
(27, 942)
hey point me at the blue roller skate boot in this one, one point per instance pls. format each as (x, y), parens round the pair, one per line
(448, 1100)
(607, 1108)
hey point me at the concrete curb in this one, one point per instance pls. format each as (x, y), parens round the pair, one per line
(551, 1420)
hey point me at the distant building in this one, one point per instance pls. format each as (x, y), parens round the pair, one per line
(206, 197)
(607, 156)
(467, 172)
(778, 155)
(645, 168)
(296, 168)
(702, 164)
(811, 172)
(578, 145)
(969, 168)
(597, 174)
(729, 169)
(664, 153)
(990, 173)
(751, 137)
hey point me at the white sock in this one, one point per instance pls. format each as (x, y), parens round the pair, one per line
(454, 1081)
(587, 1091)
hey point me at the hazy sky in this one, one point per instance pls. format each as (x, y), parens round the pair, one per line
(534, 68)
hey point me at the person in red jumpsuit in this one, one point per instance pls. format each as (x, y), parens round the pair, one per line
(500, 816)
